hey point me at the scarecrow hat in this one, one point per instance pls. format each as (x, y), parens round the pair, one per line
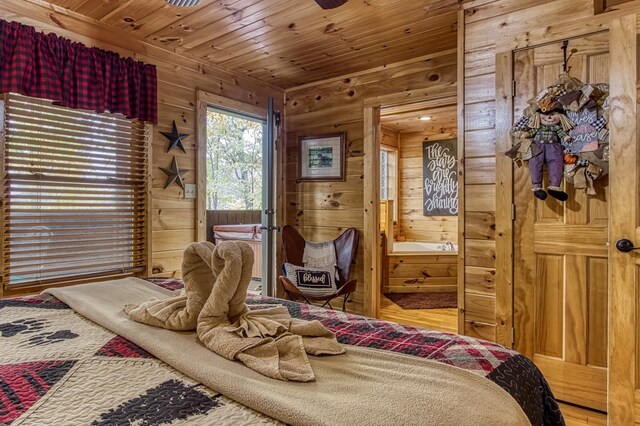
(549, 105)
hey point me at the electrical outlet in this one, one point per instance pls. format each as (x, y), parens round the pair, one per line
(189, 190)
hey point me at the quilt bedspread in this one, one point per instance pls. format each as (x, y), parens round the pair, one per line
(54, 364)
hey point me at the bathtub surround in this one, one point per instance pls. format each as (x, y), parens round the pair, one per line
(425, 272)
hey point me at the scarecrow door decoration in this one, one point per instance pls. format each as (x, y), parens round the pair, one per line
(565, 128)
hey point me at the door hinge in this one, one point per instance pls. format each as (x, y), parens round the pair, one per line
(513, 88)
(513, 212)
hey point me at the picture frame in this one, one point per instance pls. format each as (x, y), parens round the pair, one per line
(322, 157)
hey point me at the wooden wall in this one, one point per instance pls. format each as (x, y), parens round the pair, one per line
(179, 78)
(414, 226)
(389, 137)
(417, 273)
(321, 210)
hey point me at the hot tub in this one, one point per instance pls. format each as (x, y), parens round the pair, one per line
(420, 246)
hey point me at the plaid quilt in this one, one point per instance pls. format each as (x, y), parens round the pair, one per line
(54, 364)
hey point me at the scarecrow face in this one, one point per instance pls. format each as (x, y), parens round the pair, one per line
(550, 119)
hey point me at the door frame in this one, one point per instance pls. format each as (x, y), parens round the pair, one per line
(623, 398)
(204, 101)
(372, 270)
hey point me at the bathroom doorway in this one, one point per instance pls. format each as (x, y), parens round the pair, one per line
(418, 215)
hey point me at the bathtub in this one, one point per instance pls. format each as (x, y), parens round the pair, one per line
(419, 246)
(416, 266)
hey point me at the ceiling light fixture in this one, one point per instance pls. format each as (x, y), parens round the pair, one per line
(183, 3)
(426, 118)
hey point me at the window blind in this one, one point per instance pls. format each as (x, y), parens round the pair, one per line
(74, 198)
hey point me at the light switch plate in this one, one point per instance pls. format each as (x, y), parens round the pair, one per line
(189, 190)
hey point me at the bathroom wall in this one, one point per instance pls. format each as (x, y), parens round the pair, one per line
(413, 225)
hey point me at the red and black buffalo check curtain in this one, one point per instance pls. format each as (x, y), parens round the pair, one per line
(73, 75)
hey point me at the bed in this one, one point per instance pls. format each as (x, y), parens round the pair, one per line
(57, 367)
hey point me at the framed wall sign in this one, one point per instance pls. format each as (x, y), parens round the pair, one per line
(322, 157)
(440, 176)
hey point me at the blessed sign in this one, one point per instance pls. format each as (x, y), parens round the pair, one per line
(440, 176)
(313, 279)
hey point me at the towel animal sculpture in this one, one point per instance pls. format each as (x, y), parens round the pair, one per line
(268, 341)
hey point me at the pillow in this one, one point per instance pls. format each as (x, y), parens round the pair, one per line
(310, 281)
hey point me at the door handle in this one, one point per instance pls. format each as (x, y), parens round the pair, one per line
(625, 246)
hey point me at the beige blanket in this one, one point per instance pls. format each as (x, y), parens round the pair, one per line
(268, 341)
(364, 386)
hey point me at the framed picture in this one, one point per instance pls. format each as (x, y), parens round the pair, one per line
(322, 157)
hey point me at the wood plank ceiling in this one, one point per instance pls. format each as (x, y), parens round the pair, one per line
(407, 118)
(285, 42)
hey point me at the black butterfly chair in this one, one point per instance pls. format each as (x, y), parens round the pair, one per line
(346, 249)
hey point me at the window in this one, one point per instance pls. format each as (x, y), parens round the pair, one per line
(74, 194)
(388, 177)
(234, 161)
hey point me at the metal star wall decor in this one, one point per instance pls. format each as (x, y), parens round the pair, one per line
(174, 174)
(175, 138)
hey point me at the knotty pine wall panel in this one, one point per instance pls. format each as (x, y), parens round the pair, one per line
(321, 210)
(413, 225)
(173, 218)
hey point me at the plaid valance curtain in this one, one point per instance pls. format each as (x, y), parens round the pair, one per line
(73, 75)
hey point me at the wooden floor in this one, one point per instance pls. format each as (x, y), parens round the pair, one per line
(447, 320)
(433, 319)
(576, 416)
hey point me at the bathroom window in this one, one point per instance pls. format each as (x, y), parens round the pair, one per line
(388, 177)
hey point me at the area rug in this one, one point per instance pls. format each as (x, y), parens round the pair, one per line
(424, 300)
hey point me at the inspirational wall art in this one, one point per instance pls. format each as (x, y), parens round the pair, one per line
(440, 177)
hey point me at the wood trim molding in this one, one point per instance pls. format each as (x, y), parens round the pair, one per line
(371, 70)
(232, 105)
(443, 94)
(554, 33)
(204, 100)
(201, 165)
(623, 51)
(372, 271)
(461, 175)
(504, 200)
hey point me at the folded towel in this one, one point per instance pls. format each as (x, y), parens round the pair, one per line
(268, 341)
(181, 312)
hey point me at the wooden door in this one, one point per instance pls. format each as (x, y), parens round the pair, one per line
(560, 249)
